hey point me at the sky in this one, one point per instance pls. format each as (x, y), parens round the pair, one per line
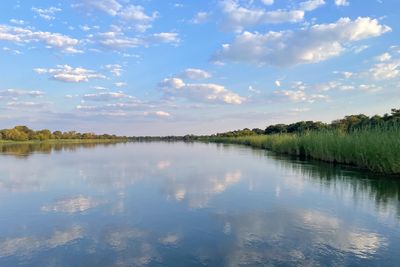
(160, 67)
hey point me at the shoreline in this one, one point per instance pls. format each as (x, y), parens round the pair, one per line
(62, 141)
(342, 150)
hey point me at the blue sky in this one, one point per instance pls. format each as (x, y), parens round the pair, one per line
(176, 67)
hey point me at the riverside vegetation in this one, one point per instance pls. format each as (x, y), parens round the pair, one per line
(25, 134)
(372, 143)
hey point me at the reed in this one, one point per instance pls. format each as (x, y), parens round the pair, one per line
(375, 149)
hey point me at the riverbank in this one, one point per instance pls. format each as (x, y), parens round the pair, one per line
(377, 150)
(63, 141)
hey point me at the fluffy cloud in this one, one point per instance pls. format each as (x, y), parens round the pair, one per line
(310, 45)
(200, 17)
(311, 5)
(341, 3)
(21, 35)
(66, 73)
(106, 96)
(111, 7)
(267, 2)
(137, 14)
(117, 40)
(164, 37)
(386, 70)
(204, 92)
(131, 13)
(159, 114)
(300, 96)
(46, 13)
(195, 74)
(14, 93)
(17, 21)
(386, 66)
(384, 57)
(115, 69)
(18, 105)
(238, 17)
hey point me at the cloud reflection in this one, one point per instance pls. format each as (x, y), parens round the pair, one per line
(72, 205)
(19, 246)
(294, 237)
(199, 190)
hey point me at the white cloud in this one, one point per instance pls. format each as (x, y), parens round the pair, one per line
(159, 114)
(311, 4)
(137, 14)
(26, 105)
(13, 93)
(370, 88)
(164, 37)
(200, 17)
(347, 74)
(384, 57)
(267, 2)
(204, 92)
(111, 7)
(21, 35)
(238, 17)
(120, 84)
(300, 96)
(278, 83)
(100, 88)
(388, 66)
(253, 90)
(133, 14)
(85, 28)
(17, 21)
(117, 40)
(310, 45)
(106, 96)
(115, 69)
(342, 2)
(195, 74)
(46, 13)
(13, 51)
(386, 70)
(66, 73)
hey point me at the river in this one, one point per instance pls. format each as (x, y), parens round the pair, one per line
(190, 204)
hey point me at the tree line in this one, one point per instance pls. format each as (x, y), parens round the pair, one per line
(347, 124)
(24, 133)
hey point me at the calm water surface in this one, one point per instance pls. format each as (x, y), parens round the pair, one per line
(176, 204)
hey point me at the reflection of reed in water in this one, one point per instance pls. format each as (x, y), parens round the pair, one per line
(384, 190)
(26, 149)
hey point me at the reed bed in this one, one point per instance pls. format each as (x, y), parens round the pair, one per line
(377, 149)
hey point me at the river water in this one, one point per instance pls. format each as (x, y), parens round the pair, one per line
(190, 204)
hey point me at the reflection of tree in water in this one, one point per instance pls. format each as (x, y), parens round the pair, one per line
(384, 190)
(25, 150)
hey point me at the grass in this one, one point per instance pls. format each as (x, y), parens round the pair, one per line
(377, 150)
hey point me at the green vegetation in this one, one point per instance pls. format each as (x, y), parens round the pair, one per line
(372, 143)
(25, 134)
(374, 149)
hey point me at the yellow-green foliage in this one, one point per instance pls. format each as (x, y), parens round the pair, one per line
(374, 149)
